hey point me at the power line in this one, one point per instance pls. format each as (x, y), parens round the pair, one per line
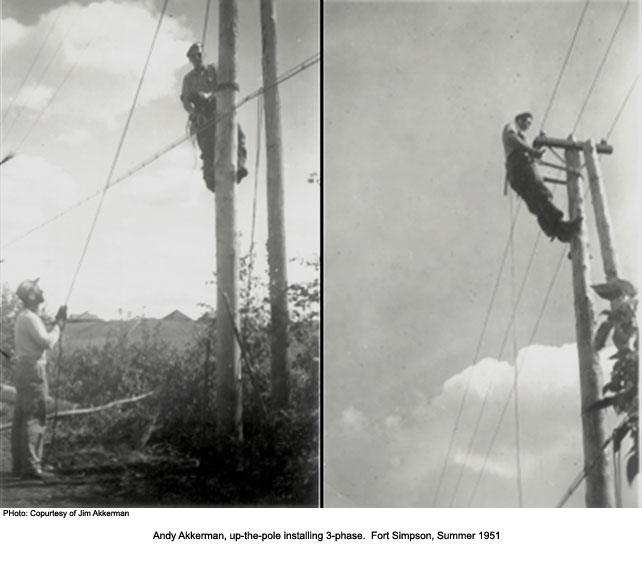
(619, 112)
(504, 408)
(475, 358)
(24, 79)
(518, 461)
(312, 60)
(568, 55)
(36, 85)
(51, 99)
(118, 150)
(599, 69)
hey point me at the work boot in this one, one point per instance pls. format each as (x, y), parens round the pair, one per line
(565, 230)
(241, 173)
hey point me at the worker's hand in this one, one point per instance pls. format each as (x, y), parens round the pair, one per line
(61, 316)
(538, 153)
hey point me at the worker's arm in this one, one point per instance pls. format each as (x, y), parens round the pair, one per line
(185, 97)
(39, 334)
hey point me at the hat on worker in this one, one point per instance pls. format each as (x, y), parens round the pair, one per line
(524, 115)
(194, 48)
(26, 287)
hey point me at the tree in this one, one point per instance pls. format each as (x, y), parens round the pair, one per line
(621, 392)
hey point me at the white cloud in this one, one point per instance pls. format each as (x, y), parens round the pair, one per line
(33, 190)
(11, 33)
(352, 419)
(404, 467)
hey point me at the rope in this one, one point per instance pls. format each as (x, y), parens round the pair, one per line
(518, 462)
(118, 150)
(204, 36)
(599, 69)
(585, 472)
(285, 77)
(24, 79)
(568, 55)
(475, 358)
(503, 412)
(95, 220)
(619, 112)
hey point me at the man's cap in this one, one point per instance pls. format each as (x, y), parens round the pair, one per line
(194, 48)
(26, 287)
(524, 115)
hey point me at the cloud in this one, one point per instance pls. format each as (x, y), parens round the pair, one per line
(12, 33)
(107, 44)
(352, 419)
(33, 189)
(398, 460)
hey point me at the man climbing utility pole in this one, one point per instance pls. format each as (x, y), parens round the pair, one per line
(277, 257)
(598, 492)
(523, 175)
(229, 390)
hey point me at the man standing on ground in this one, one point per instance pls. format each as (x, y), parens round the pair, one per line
(198, 96)
(30, 414)
(524, 178)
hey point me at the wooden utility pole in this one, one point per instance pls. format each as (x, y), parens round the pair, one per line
(597, 480)
(229, 391)
(598, 483)
(277, 257)
(602, 218)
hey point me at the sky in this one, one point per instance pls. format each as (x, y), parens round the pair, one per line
(153, 249)
(415, 226)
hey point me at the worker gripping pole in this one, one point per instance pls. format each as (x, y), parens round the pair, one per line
(602, 219)
(597, 480)
(229, 391)
(277, 258)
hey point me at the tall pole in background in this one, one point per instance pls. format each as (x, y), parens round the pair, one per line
(277, 258)
(598, 493)
(602, 217)
(229, 391)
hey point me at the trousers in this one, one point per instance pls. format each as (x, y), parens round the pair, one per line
(526, 181)
(205, 128)
(29, 418)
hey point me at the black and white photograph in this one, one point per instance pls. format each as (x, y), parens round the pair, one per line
(481, 254)
(160, 246)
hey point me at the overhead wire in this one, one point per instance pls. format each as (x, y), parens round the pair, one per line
(559, 264)
(518, 457)
(475, 359)
(566, 59)
(312, 60)
(36, 85)
(600, 66)
(511, 392)
(51, 99)
(118, 150)
(619, 112)
(99, 207)
(31, 66)
(464, 396)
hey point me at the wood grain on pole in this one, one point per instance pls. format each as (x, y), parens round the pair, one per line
(277, 258)
(598, 492)
(228, 390)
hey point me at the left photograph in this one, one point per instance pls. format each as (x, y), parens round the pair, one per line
(160, 243)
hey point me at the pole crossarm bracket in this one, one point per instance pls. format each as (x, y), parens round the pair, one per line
(569, 170)
(545, 141)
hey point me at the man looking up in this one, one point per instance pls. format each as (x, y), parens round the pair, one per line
(30, 414)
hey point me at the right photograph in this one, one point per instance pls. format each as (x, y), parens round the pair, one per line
(482, 254)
